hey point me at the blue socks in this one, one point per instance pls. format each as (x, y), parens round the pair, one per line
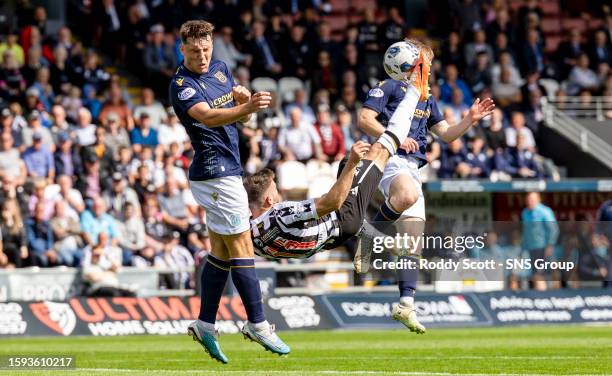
(214, 276)
(407, 281)
(247, 284)
(386, 214)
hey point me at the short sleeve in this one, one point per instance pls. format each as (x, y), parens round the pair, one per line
(378, 97)
(184, 94)
(435, 115)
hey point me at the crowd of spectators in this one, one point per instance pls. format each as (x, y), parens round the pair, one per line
(85, 165)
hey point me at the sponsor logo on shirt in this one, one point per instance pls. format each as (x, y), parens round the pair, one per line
(186, 93)
(235, 219)
(422, 114)
(376, 93)
(223, 100)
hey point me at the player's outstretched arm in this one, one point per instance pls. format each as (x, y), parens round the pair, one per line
(334, 199)
(218, 117)
(478, 111)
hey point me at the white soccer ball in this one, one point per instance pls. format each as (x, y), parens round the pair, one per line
(400, 60)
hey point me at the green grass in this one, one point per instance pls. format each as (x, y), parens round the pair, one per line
(517, 350)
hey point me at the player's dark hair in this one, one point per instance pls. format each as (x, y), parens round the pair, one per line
(196, 29)
(256, 184)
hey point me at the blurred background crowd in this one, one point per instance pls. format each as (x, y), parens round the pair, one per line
(93, 164)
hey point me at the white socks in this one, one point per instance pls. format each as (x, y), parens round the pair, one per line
(400, 122)
(407, 301)
(261, 326)
(209, 327)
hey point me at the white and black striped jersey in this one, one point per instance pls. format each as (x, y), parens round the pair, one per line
(293, 229)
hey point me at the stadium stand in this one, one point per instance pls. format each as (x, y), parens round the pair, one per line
(92, 163)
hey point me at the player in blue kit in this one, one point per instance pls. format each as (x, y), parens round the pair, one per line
(209, 103)
(401, 181)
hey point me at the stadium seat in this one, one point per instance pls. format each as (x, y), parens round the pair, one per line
(550, 26)
(550, 8)
(315, 168)
(292, 175)
(287, 86)
(551, 87)
(264, 84)
(320, 186)
(574, 24)
(552, 43)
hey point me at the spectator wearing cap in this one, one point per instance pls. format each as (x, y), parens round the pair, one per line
(12, 81)
(39, 159)
(172, 131)
(96, 221)
(332, 138)
(150, 106)
(159, 59)
(116, 136)
(40, 239)
(300, 141)
(35, 127)
(119, 195)
(85, 131)
(12, 44)
(67, 160)
(12, 166)
(116, 105)
(144, 135)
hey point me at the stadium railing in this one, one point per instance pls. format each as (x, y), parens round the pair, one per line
(561, 115)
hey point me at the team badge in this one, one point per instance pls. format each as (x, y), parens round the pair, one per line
(179, 81)
(215, 196)
(221, 77)
(235, 219)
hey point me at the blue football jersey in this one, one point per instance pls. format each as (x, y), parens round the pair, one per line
(384, 99)
(216, 149)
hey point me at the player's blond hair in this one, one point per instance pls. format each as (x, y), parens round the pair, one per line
(196, 29)
(427, 51)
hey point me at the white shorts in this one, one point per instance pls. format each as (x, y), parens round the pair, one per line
(226, 203)
(397, 166)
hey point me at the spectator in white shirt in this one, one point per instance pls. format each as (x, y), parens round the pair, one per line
(85, 131)
(172, 131)
(518, 127)
(581, 77)
(300, 140)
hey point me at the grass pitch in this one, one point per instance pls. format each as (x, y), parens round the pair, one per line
(517, 350)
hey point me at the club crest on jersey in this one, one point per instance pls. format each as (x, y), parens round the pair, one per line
(376, 93)
(186, 93)
(221, 77)
(215, 196)
(179, 81)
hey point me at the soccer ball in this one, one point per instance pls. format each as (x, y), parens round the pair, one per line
(400, 59)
